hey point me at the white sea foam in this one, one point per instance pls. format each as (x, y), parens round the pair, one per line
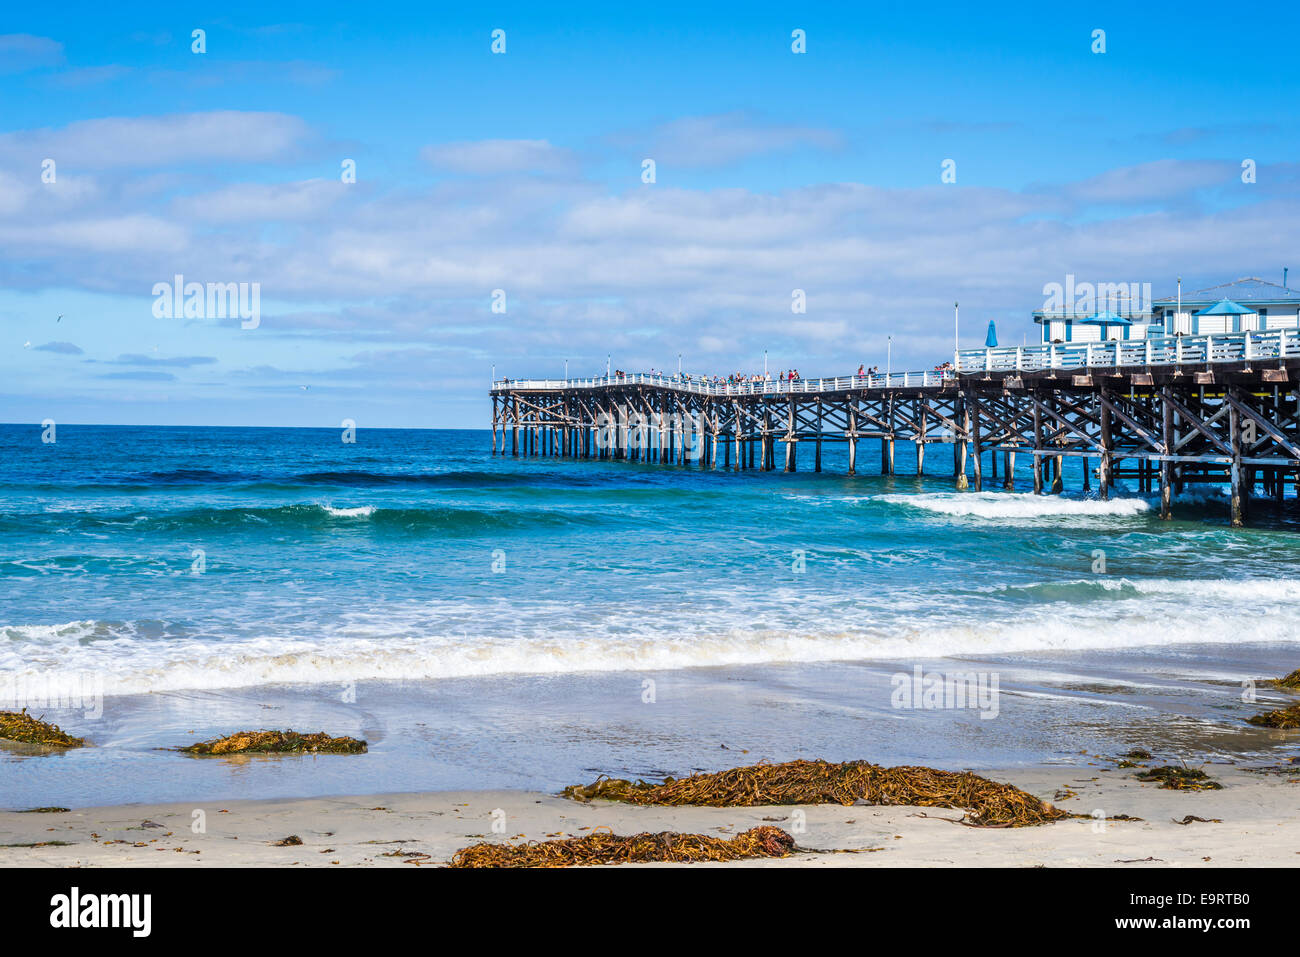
(361, 511)
(434, 640)
(1016, 505)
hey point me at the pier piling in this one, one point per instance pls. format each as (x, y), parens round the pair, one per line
(1186, 421)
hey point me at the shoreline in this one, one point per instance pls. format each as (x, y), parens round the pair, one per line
(1256, 808)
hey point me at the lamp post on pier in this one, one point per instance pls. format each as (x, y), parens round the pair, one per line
(956, 338)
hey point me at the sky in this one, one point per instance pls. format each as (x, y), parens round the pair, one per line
(417, 210)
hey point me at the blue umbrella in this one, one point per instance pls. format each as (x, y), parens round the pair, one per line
(991, 340)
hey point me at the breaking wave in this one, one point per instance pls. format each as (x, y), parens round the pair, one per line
(1017, 505)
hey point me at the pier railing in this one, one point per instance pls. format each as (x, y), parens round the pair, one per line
(702, 386)
(1107, 354)
(1121, 353)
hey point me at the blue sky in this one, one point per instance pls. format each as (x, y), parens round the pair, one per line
(522, 171)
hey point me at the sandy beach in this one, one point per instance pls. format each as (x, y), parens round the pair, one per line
(1257, 808)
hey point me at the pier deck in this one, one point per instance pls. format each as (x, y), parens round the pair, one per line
(1165, 412)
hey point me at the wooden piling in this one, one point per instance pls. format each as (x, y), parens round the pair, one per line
(1104, 465)
(1176, 427)
(853, 439)
(1240, 491)
(962, 482)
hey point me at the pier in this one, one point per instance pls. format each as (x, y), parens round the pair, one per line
(1163, 412)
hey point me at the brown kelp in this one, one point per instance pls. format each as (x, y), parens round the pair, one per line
(1281, 718)
(21, 726)
(987, 803)
(1180, 779)
(1289, 681)
(604, 848)
(277, 742)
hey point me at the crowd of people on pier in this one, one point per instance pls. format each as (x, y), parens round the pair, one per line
(743, 378)
(734, 378)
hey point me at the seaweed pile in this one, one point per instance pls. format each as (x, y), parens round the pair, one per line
(21, 726)
(1290, 681)
(987, 803)
(1180, 779)
(1281, 718)
(603, 848)
(277, 742)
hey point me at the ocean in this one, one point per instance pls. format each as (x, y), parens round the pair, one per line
(492, 622)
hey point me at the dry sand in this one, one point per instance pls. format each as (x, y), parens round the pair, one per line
(1260, 815)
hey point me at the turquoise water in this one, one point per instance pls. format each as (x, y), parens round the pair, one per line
(490, 621)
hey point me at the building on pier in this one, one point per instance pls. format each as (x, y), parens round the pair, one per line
(1243, 305)
(1101, 312)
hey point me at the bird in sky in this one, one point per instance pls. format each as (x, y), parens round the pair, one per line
(60, 319)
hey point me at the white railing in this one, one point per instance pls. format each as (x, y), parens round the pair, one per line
(702, 386)
(1109, 354)
(1117, 353)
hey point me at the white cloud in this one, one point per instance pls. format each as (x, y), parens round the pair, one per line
(718, 140)
(493, 157)
(227, 136)
(1155, 181)
(253, 202)
(644, 273)
(20, 52)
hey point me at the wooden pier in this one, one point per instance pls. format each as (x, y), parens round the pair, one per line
(1164, 413)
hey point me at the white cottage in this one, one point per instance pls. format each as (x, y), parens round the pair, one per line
(1237, 306)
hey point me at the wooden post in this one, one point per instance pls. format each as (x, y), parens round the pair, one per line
(740, 464)
(1240, 491)
(973, 427)
(790, 462)
(1166, 466)
(514, 433)
(962, 441)
(1038, 448)
(713, 428)
(1058, 467)
(853, 438)
(1107, 445)
(1009, 470)
(817, 459)
(889, 461)
(769, 442)
(920, 443)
